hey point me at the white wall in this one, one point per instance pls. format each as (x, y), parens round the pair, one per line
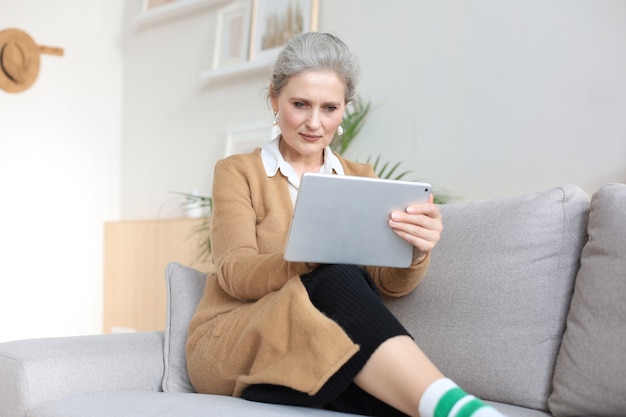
(483, 98)
(60, 156)
(490, 98)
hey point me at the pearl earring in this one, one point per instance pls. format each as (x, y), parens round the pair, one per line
(275, 128)
(340, 130)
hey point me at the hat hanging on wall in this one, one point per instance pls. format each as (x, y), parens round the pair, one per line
(19, 60)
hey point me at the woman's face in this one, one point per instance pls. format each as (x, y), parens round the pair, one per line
(310, 107)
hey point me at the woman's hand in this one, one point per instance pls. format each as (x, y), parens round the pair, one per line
(420, 225)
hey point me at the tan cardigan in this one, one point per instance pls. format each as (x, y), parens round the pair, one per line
(255, 323)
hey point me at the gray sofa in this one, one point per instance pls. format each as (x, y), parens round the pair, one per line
(524, 305)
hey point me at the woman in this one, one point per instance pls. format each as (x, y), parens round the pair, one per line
(305, 334)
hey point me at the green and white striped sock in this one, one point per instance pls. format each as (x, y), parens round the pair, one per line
(444, 398)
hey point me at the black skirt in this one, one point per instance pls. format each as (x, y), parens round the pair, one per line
(346, 294)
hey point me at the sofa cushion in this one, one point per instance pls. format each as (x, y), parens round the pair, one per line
(590, 375)
(185, 286)
(159, 404)
(491, 311)
(155, 404)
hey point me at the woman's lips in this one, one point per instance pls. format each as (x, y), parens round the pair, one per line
(310, 138)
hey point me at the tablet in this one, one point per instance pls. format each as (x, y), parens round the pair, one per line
(344, 219)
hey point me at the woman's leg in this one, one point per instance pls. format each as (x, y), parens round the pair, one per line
(398, 373)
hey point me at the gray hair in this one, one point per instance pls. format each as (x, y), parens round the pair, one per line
(315, 51)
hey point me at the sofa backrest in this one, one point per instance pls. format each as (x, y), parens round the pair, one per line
(491, 311)
(590, 374)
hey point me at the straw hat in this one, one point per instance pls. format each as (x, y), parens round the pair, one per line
(19, 60)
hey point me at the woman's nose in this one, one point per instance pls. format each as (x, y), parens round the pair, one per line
(313, 121)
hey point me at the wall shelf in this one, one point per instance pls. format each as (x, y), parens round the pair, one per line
(174, 9)
(238, 70)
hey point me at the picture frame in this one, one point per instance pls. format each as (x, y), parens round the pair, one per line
(154, 11)
(149, 5)
(247, 139)
(233, 34)
(274, 22)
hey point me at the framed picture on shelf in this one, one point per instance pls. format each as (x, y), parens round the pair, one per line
(274, 22)
(149, 5)
(233, 34)
(245, 140)
(159, 10)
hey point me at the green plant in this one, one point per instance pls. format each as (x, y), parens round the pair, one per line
(194, 201)
(355, 117)
(385, 171)
(353, 120)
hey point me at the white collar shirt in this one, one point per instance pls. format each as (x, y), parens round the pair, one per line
(273, 162)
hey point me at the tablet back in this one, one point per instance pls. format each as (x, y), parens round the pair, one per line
(344, 219)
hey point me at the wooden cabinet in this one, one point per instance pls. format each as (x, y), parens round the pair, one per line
(136, 254)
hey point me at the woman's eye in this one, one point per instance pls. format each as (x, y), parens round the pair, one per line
(331, 108)
(298, 104)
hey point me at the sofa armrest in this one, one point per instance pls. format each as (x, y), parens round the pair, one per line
(36, 370)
